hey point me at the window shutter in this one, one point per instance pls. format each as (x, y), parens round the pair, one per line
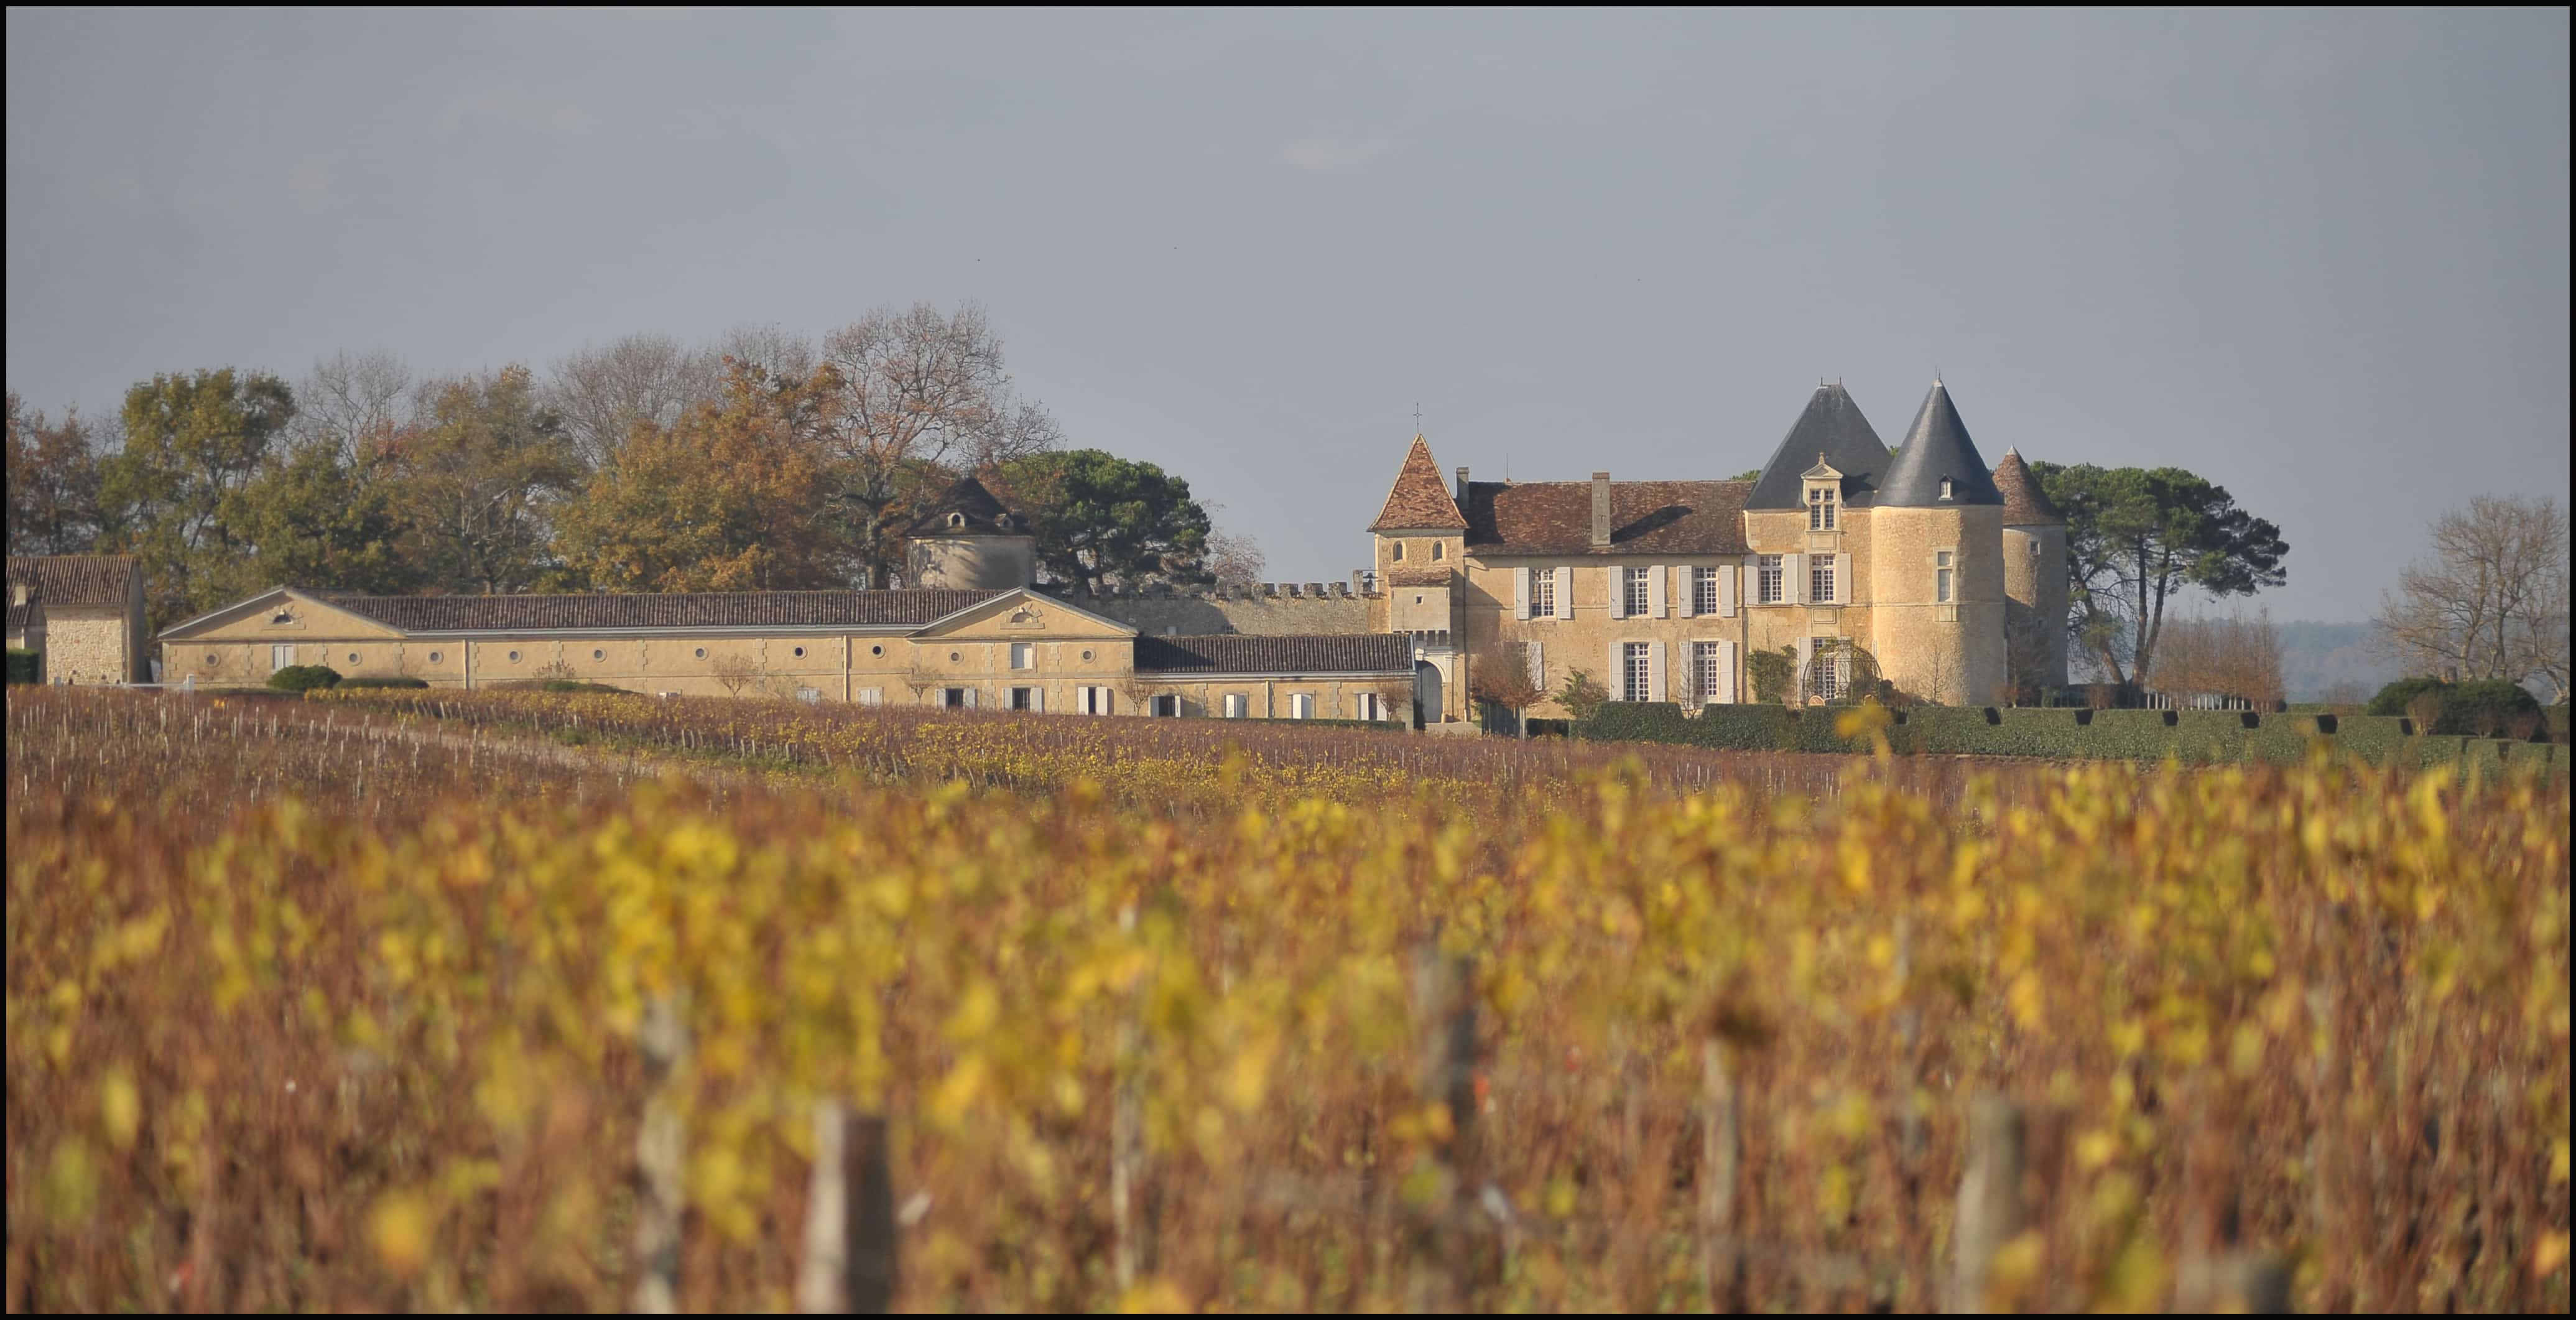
(1726, 672)
(1520, 593)
(1618, 578)
(1725, 590)
(1806, 656)
(1037, 700)
(1655, 689)
(1618, 672)
(1842, 577)
(1565, 593)
(1794, 568)
(1655, 592)
(970, 698)
(1690, 590)
(1538, 665)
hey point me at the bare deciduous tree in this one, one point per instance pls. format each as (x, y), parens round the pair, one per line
(2492, 601)
(602, 393)
(353, 402)
(2232, 662)
(1233, 560)
(736, 672)
(922, 395)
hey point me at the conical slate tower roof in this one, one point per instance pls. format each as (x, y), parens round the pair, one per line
(983, 515)
(2025, 504)
(1419, 498)
(1936, 447)
(1831, 426)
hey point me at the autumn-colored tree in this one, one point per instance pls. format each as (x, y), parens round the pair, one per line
(729, 498)
(53, 483)
(475, 480)
(191, 443)
(1499, 675)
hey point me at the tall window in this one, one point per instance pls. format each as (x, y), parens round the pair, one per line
(1820, 579)
(1168, 706)
(1301, 706)
(1824, 676)
(1634, 584)
(1774, 575)
(1704, 590)
(1398, 556)
(1542, 593)
(953, 698)
(1024, 655)
(1437, 552)
(1024, 698)
(1369, 707)
(1820, 508)
(1941, 573)
(1704, 672)
(1236, 705)
(1636, 671)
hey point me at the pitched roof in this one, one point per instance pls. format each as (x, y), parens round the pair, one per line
(973, 503)
(728, 609)
(1234, 653)
(1937, 446)
(1419, 498)
(1832, 428)
(74, 579)
(1646, 517)
(2024, 502)
(25, 616)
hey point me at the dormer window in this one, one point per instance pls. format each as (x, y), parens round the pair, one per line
(1002, 521)
(282, 616)
(1945, 488)
(1820, 508)
(956, 520)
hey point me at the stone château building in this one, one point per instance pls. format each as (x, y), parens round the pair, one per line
(1919, 563)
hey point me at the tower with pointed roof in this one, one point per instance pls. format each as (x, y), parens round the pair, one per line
(1936, 570)
(1419, 547)
(967, 540)
(2035, 586)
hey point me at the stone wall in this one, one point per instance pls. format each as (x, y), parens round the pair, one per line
(88, 645)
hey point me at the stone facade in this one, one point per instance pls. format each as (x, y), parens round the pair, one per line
(1270, 609)
(93, 612)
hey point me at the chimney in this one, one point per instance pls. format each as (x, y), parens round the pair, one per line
(1600, 508)
(1462, 489)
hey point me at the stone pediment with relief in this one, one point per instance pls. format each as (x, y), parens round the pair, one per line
(1024, 612)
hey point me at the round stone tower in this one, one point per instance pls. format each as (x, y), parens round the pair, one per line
(2035, 587)
(969, 541)
(1937, 563)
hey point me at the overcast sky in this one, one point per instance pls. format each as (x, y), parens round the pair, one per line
(2318, 257)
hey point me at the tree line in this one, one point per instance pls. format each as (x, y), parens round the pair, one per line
(763, 461)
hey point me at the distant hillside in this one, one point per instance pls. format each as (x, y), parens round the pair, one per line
(2317, 658)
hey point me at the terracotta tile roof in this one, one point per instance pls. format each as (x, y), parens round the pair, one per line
(1418, 577)
(1230, 653)
(1646, 517)
(2024, 502)
(74, 579)
(1419, 498)
(733, 609)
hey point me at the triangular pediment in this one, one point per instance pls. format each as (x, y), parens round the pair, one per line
(1023, 612)
(282, 614)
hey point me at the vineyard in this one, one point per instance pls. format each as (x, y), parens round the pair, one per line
(531, 1001)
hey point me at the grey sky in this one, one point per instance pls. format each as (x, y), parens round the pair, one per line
(2319, 257)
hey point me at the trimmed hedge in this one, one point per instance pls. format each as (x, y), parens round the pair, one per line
(384, 683)
(26, 666)
(2192, 737)
(304, 678)
(2478, 708)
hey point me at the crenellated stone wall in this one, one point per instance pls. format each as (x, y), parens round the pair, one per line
(1269, 609)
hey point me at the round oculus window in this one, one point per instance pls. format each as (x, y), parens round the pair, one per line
(213, 659)
(1086, 655)
(435, 657)
(514, 657)
(702, 653)
(953, 657)
(876, 650)
(599, 655)
(353, 657)
(800, 653)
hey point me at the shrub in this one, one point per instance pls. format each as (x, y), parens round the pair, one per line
(26, 666)
(304, 678)
(384, 683)
(2486, 707)
(1774, 674)
(2397, 697)
(1583, 697)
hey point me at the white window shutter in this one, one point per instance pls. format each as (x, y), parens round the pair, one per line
(1618, 578)
(1794, 567)
(1538, 665)
(1842, 577)
(1520, 593)
(970, 698)
(1564, 601)
(1726, 672)
(1037, 700)
(1690, 590)
(1618, 672)
(1655, 689)
(1806, 656)
(1725, 590)
(1655, 592)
